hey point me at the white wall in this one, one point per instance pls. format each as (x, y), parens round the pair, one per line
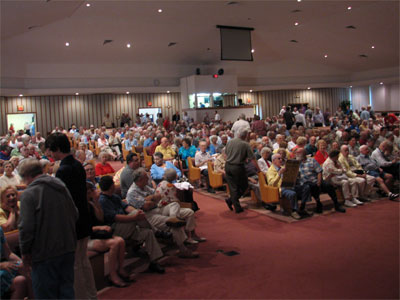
(359, 96)
(385, 97)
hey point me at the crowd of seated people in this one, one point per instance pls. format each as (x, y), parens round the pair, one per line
(345, 150)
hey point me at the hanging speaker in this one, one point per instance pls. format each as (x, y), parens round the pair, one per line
(198, 71)
(221, 72)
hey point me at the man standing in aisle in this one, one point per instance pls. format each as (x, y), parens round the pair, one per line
(72, 173)
(240, 124)
(238, 151)
(47, 232)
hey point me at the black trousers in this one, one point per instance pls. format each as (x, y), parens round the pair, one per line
(324, 188)
(393, 169)
(205, 174)
(237, 182)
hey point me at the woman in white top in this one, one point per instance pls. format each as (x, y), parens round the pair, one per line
(104, 146)
(263, 162)
(9, 178)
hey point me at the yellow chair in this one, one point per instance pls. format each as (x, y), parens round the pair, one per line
(270, 194)
(96, 149)
(148, 159)
(194, 173)
(215, 178)
(125, 152)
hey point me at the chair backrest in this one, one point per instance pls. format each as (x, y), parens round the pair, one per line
(148, 159)
(269, 194)
(216, 179)
(194, 173)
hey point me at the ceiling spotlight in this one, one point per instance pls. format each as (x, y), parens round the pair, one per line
(381, 83)
(326, 55)
(296, 23)
(76, 94)
(127, 93)
(87, 4)
(251, 91)
(160, 10)
(252, 50)
(128, 45)
(298, 0)
(349, 8)
(67, 44)
(21, 95)
(351, 86)
(372, 47)
(168, 92)
(309, 88)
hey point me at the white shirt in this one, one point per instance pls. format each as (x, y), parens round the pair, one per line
(217, 117)
(239, 125)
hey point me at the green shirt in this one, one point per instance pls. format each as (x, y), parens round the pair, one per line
(238, 151)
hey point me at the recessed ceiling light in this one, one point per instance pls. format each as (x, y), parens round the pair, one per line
(372, 47)
(380, 83)
(351, 86)
(349, 8)
(168, 92)
(298, 0)
(87, 4)
(309, 88)
(251, 91)
(76, 94)
(67, 44)
(296, 23)
(326, 55)
(252, 50)
(21, 95)
(128, 45)
(160, 10)
(127, 93)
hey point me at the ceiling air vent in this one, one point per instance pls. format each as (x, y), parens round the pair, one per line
(171, 44)
(363, 56)
(295, 11)
(350, 27)
(33, 26)
(107, 42)
(293, 41)
(232, 3)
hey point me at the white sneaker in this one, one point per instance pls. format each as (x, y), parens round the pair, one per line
(356, 201)
(349, 203)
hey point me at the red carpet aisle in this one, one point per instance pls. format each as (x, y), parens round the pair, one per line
(353, 255)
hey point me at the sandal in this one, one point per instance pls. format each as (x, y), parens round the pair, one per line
(117, 284)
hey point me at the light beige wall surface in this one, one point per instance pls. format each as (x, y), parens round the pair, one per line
(90, 109)
(84, 110)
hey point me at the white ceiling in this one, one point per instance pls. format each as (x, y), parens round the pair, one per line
(37, 60)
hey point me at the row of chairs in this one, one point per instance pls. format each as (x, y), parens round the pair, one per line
(269, 194)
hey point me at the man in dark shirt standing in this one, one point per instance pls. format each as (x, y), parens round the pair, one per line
(289, 118)
(237, 151)
(176, 117)
(72, 173)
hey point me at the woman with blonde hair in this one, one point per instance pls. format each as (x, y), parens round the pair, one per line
(9, 209)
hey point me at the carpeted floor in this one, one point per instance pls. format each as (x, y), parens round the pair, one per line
(353, 255)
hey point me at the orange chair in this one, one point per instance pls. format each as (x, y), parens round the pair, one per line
(215, 178)
(270, 194)
(148, 159)
(194, 173)
(125, 152)
(96, 149)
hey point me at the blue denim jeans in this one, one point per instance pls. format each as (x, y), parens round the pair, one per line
(54, 277)
(299, 191)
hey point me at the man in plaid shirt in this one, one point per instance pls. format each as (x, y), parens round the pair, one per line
(310, 173)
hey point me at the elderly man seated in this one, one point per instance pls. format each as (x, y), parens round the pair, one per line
(274, 178)
(201, 158)
(371, 168)
(382, 156)
(334, 174)
(355, 173)
(129, 223)
(143, 197)
(311, 175)
(166, 149)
